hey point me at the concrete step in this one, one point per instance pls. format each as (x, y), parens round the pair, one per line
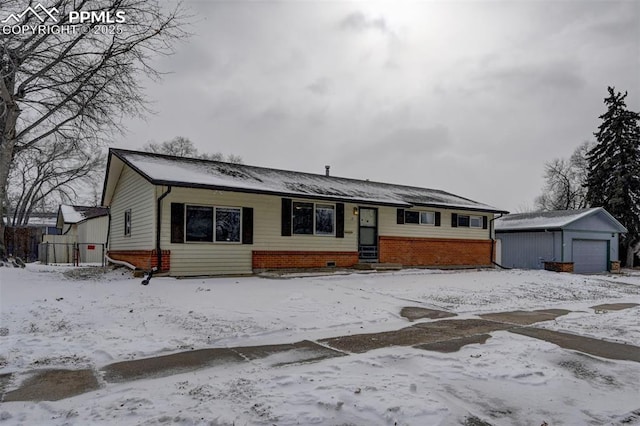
(379, 266)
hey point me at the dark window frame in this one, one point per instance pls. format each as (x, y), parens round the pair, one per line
(214, 224)
(297, 205)
(127, 223)
(465, 221)
(414, 217)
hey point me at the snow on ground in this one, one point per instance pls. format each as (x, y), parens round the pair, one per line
(56, 317)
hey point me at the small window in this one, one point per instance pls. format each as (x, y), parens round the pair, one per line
(227, 224)
(325, 219)
(199, 223)
(422, 218)
(411, 217)
(463, 220)
(127, 222)
(427, 218)
(303, 218)
(475, 221)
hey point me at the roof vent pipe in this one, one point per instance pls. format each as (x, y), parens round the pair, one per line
(326, 170)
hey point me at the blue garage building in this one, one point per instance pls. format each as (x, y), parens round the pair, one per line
(582, 241)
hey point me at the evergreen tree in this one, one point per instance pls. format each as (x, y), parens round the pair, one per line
(613, 180)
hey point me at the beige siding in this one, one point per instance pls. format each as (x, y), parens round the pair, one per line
(92, 231)
(207, 258)
(389, 227)
(135, 193)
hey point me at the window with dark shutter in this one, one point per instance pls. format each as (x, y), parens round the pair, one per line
(286, 217)
(400, 217)
(339, 220)
(437, 220)
(485, 222)
(454, 220)
(177, 223)
(247, 225)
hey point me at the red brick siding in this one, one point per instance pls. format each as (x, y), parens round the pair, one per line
(303, 259)
(143, 259)
(434, 251)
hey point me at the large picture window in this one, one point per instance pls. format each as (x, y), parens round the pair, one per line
(199, 223)
(310, 219)
(228, 224)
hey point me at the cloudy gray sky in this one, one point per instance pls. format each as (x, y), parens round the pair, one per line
(471, 97)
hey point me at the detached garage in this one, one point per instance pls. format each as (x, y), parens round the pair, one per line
(583, 241)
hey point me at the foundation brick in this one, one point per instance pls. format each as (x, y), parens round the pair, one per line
(435, 251)
(143, 259)
(303, 259)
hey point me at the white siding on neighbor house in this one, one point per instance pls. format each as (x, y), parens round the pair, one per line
(135, 193)
(389, 227)
(92, 232)
(201, 258)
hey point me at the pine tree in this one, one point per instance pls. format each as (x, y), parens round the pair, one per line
(613, 180)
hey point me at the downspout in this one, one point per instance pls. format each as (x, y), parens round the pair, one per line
(106, 243)
(493, 242)
(159, 227)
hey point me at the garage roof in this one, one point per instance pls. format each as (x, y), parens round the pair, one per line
(553, 220)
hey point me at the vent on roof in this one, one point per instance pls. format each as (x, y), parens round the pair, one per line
(326, 170)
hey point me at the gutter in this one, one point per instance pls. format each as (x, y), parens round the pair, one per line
(159, 226)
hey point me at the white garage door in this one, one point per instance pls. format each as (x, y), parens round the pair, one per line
(589, 256)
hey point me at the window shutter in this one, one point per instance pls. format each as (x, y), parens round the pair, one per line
(339, 220)
(437, 219)
(454, 220)
(247, 225)
(400, 217)
(177, 223)
(286, 217)
(485, 222)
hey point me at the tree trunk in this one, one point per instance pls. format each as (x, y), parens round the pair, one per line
(6, 152)
(630, 254)
(7, 144)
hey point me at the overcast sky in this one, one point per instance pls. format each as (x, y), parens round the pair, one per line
(471, 97)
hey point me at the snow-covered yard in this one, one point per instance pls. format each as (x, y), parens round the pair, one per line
(55, 317)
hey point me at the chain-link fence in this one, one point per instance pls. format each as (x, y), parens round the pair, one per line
(74, 253)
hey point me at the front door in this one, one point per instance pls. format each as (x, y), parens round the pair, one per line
(368, 234)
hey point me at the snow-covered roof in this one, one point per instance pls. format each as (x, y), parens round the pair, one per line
(556, 219)
(37, 220)
(190, 172)
(75, 214)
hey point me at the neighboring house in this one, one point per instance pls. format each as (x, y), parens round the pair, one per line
(83, 228)
(584, 241)
(23, 241)
(196, 217)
